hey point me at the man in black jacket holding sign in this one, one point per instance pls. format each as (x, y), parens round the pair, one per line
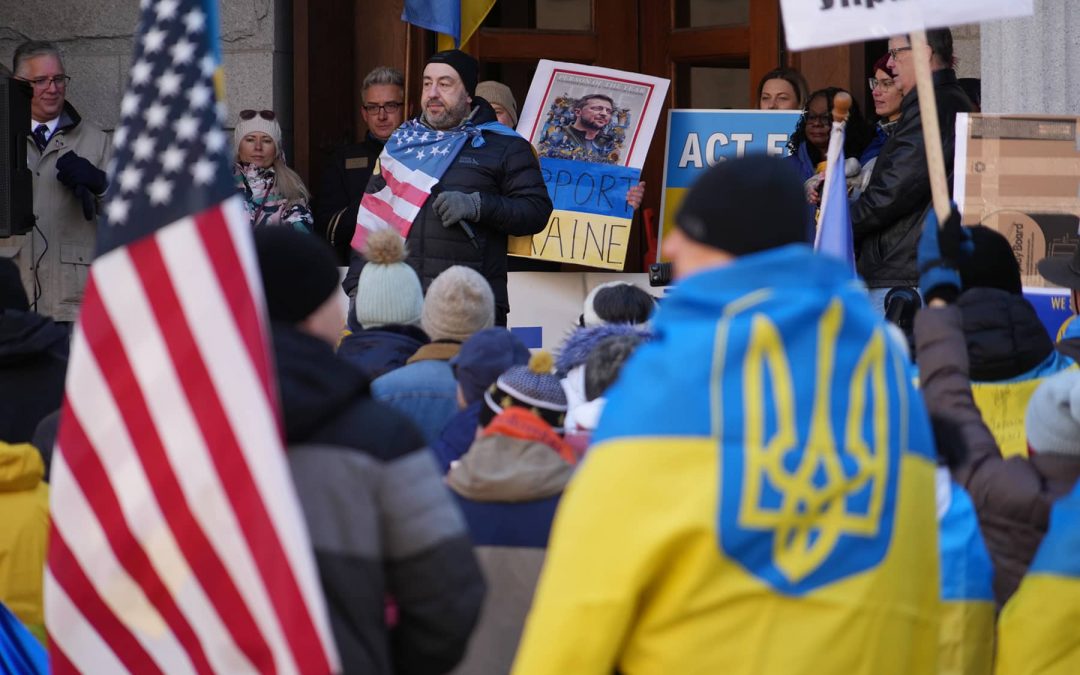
(886, 218)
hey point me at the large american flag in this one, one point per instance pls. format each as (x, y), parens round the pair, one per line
(178, 544)
(413, 160)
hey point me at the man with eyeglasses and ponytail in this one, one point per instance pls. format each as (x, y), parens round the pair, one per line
(346, 174)
(67, 156)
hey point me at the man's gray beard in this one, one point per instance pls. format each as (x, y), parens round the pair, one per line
(449, 117)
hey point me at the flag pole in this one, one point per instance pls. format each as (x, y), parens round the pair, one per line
(841, 107)
(935, 156)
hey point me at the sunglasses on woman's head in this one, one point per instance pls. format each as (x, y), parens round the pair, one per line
(250, 114)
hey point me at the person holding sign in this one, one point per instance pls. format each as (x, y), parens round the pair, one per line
(721, 524)
(886, 217)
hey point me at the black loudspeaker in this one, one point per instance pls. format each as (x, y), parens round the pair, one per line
(16, 181)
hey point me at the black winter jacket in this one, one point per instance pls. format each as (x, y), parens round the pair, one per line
(886, 219)
(377, 351)
(383, 525)
(514, 201)
(33, 362)
(343, 180)
(1004, 335)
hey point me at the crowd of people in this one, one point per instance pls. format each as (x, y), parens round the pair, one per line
(754, 474)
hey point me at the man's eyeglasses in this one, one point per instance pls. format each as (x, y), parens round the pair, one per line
(823, 120)
(390, 108)
(267, 115)
(893, 52)
(885, 85)
(42, 83)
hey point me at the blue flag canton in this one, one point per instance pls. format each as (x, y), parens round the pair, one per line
(171, 156)
(422, 149)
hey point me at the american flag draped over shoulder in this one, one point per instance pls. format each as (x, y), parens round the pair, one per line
(178, 544)
(413, 160)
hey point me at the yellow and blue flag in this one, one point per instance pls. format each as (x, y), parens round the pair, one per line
(1037, 630)
(454, 20)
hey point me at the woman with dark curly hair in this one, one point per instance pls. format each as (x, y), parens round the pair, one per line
(810, 143)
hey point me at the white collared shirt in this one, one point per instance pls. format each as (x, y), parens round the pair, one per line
(52, 124)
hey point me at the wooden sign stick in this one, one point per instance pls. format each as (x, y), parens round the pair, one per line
(935, 157)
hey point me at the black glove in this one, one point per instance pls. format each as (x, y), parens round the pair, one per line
(941, 250)
(89, 202)
(73, 171)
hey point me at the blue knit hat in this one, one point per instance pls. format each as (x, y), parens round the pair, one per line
(484, 357)
(533, 387)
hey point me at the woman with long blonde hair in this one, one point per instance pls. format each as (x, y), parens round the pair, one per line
(273, 193)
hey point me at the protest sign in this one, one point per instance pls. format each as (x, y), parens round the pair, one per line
(699, 139)
(1020, 175)
(591, 128)
(822, 23)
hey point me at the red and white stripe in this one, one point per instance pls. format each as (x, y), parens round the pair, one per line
(178, 541)
(397, 204)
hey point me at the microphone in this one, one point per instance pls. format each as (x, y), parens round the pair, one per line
(469, 233)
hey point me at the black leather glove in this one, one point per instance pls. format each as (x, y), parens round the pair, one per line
(73, 171)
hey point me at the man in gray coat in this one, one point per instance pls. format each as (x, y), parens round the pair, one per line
(67, 156)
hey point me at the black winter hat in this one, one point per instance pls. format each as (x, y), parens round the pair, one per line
(12, 292)
(992, 264)
(299, 272)
(465, 65)
(747, 205)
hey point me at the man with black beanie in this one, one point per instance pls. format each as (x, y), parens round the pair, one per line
(493, 188)
(382, 524)
(762, 479)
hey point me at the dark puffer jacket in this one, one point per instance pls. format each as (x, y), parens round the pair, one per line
(383, 525)
(887, 217)
(514, 201)
(33, 362)
(1005, 338)
(377, 351)
(1012, 497)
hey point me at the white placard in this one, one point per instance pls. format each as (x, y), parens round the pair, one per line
(636, 99)
(822, 23)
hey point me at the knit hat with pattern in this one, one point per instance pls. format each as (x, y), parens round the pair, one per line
(388, 291)
(533, 387)
(458, 303)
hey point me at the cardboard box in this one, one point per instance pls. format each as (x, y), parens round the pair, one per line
(1020, 174)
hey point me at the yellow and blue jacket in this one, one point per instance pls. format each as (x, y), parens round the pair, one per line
(1037, 629)
(759, 498)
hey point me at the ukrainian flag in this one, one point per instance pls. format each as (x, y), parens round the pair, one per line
(1038, 629)
(454, 20)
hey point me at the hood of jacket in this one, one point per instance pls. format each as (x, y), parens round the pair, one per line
(579, 344)
(1004, 335)
(25, 335)
(315, 385)
(21, 467)
(512, 468)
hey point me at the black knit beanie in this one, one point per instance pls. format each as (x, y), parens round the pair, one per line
(465, 65)
(747, 205)
(299, 272)
(992, 264)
